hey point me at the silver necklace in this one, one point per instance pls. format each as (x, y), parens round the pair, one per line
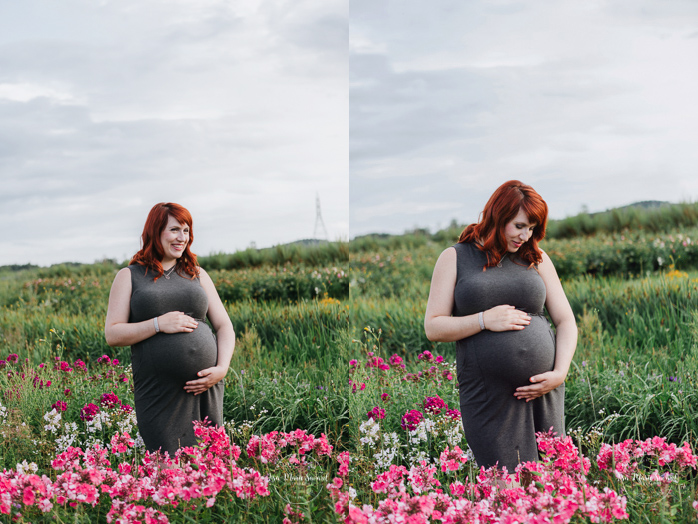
(166, 274)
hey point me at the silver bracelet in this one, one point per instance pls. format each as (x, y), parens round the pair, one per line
(155, 321)
(481, 319)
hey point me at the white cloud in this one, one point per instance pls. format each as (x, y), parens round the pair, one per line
(591, 103)
(237, 110)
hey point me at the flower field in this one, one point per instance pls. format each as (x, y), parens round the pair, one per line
(338, 409)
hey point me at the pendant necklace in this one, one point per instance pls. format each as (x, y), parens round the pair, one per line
(166, 274)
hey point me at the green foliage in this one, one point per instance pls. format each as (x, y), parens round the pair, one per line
(286, 283)
(631, 219)
(655, 219)
(315, 255)
(278, 389)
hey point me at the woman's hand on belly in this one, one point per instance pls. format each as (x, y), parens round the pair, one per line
(505, 318)
(177, 322)
(541, 384)
(209, 378)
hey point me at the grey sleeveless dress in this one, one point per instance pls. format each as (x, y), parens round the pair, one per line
(499, 427)
(164, 362)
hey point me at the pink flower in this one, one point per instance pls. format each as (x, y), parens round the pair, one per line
(422, 478)
(121, 443)
(344, 459)
(451, 460)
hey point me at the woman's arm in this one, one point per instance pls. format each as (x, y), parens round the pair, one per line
(440, 326)
(117, 329)
(225, 335)
(565, 339)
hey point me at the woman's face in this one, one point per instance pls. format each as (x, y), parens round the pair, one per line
(518, 231)
(174, 238)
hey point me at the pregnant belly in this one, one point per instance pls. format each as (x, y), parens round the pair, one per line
(178, 357)
(514, 357)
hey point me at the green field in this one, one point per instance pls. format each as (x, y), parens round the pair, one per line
(331, 353)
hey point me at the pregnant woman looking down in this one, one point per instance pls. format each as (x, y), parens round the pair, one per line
(158, 305)
(487, 294)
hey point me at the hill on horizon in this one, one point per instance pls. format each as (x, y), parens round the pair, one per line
(584, 223)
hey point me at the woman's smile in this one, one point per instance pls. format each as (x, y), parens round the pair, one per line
(518, 231)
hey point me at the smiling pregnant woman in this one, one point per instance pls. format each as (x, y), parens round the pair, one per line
(487, 294)
(158, 306)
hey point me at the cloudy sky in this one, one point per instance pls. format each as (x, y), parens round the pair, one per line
(593, 103)
(236, 110)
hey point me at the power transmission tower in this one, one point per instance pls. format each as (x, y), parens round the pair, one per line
(318, 219)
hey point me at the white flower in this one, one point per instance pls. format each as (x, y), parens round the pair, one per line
(370, 428)
(26, 469)
(53, 418)
(391, 447)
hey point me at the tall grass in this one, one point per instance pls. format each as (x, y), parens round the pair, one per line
(320, 254)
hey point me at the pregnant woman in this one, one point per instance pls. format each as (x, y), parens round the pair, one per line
(487, 294)
(158, 306)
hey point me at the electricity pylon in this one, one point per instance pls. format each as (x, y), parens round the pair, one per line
(319, 222)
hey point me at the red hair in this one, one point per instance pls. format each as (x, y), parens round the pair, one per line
(502, 208)
(152, 252)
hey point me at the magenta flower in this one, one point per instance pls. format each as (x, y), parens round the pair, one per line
(88, 412)
(434, 405)
(109, 400)
(427, 355)
(453, 413)
(411, 420)
(396, 360)
(59, 405)
(376, 413)
(12, 357)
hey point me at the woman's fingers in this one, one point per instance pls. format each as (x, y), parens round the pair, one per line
(506, 318)
(209, 378)
(540, 385)
(177, 322)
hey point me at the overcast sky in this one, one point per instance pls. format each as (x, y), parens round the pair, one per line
(593, 103)
(236, 110)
